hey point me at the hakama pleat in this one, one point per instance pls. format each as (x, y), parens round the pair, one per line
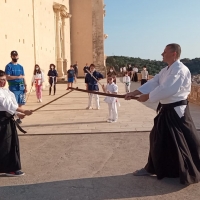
(9, 144)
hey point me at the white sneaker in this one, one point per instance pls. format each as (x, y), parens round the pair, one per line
(98, 108)
(40, 100)
(113, 121)
(88, 108)
(109, 120)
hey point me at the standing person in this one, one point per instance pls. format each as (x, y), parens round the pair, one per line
(111, 88)
(16, 80)
(92, 85)
(37, 80)
(124, 69)
(127, 82)
(76, 69)
(85, 69)
(135, 74)
(145, 75)
(112, 73)
(130, 71)
(9, 142)
(174, 141)
(52, 74)
(71, 77)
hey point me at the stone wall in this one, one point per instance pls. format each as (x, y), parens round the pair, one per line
(87, 36)
(29, 27)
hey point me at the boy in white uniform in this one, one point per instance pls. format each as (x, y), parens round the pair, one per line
(111, 88)
(127, 82)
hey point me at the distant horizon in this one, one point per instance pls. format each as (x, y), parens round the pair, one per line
(152, 59)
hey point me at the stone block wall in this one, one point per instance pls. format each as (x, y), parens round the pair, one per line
(194, 96)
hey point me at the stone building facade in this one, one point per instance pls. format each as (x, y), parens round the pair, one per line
(47, 31)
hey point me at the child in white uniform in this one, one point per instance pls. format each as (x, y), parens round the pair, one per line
(111, 88)
(127, 82)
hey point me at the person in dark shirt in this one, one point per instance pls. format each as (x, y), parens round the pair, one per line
(85, 69)
(92, 85)
(75, 66)
(52, 74)
(70, 76)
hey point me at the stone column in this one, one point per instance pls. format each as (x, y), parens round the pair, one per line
(64, 46)
(64, 16)
(58, 44)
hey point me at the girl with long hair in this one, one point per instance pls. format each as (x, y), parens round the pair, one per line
(37, 80)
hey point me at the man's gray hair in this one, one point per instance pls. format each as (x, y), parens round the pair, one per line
(175, 48)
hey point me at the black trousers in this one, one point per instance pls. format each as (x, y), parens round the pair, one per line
(9, 144)
(143, 81)
(174, 145)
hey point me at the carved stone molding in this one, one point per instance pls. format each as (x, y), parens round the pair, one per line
(62, 10)
(105, 36)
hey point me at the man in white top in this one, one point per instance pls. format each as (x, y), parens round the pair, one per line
(9, 143)
(174, 141)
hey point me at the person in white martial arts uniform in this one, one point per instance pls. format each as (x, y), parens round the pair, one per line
(111, 88)
(10, 163)
(127, 82)
(174, 141)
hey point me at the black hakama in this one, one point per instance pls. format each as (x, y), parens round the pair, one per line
(9, 144)
(174, 145)
(135, 77)
(143, 81)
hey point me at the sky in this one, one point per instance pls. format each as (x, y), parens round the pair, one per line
(142, 28)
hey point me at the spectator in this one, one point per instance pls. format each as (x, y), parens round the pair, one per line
(16, 80)
(38, 79)
(75, 66)
(112, 73)
(145, 75)
(85, 69)
(52, 74)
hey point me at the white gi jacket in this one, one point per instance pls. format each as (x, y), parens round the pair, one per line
(111, 88)
(126, 79)
(170, 85)
(8, 102)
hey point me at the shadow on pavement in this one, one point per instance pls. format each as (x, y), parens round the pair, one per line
(96, 188)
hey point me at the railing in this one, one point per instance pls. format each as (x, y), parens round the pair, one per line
(194, 96)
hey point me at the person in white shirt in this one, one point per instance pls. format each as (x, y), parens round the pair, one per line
(9, 143)
(174, 141)
(135, 75)
(111, 88)
(37, 80)
(145, 75)
(124, 69)
(127, 82)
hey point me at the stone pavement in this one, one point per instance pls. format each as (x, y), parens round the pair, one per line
(72, 153)
(68, 114)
